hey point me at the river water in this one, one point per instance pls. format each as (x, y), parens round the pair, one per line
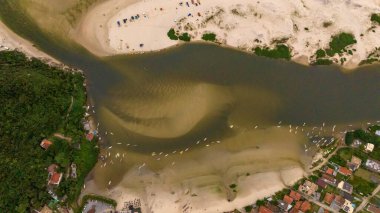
(200, 110)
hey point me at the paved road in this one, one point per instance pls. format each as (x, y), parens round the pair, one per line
(366, 200)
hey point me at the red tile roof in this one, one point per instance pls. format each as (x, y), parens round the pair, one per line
(46, 143)
(306, 206)
(90, 136)
(329, 197)
(345, 171)
(298, 205)
(329, 171)
(295, 195)
(55, 178)
(372, 208)
(264, 209)
(288, 199)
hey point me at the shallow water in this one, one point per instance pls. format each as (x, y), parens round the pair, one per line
(208, 109)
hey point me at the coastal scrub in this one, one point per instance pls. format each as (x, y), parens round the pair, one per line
(339, 43)
(209, 37)
(280, 51)
(375, 18)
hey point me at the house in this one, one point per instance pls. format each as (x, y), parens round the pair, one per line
(329, 197)
(338, 203)
(322, 210)
(45, 144)
(306, 206)
(373, 165)
(348, 206)
(321, 183)
(369, 147)
(295, 195)
(344, 171)
(308, 187)
(264, 209)
(329, 179)
(55, 178)
(354, 164)
(330, 171)
(372, 208)
(287, 199)
(283, 206)
(377, 132)
(344, 186)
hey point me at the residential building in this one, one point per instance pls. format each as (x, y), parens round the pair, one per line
(377, 132)
(295, 195)
(373, 209)
(45, 144)
(287, 199)
(373, 165)
(283, 206)
(264, 209)
(54, 178)
(356, 143)
(348, 206)
(369, 147)
(90, 136)
(338, 203)
(329, 198)
(330, 171)
(354, 164)
(306, 206)
(321, 183)
(308, 188)
(344, 171)
(45, 209)
(329, 179)
(346, 187)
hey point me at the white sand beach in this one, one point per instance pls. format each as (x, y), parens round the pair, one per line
(124, 27)
(11, 41)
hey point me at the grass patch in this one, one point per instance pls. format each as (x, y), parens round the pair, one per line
(375, 18)
(361, 185)
(365, 174)
(280, 51)
(209, 36)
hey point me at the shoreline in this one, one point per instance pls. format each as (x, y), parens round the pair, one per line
(103, 37)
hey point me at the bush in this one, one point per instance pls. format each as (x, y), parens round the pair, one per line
(322, 61)
(375, 18)
(172, 34)
(320, 53)
(184, 37)
(340, 42)
(209, 37)
(280, 51)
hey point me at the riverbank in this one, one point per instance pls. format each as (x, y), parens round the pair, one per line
(127, 27)
(11, 41)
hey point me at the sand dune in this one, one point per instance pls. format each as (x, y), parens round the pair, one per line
(241, 24)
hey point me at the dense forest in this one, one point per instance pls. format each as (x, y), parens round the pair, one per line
(36, 101)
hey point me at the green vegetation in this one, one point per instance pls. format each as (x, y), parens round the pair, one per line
(365, 174)
(248, 208)
(338, 160)
(184, 37)
(320, 53)
(233, 186)
(172, 34)
(35, 103)
(87, 198)
(209, 36)
(362, 186)
(375, 18)
(339, 43)
(322, 61)
(280, 51)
